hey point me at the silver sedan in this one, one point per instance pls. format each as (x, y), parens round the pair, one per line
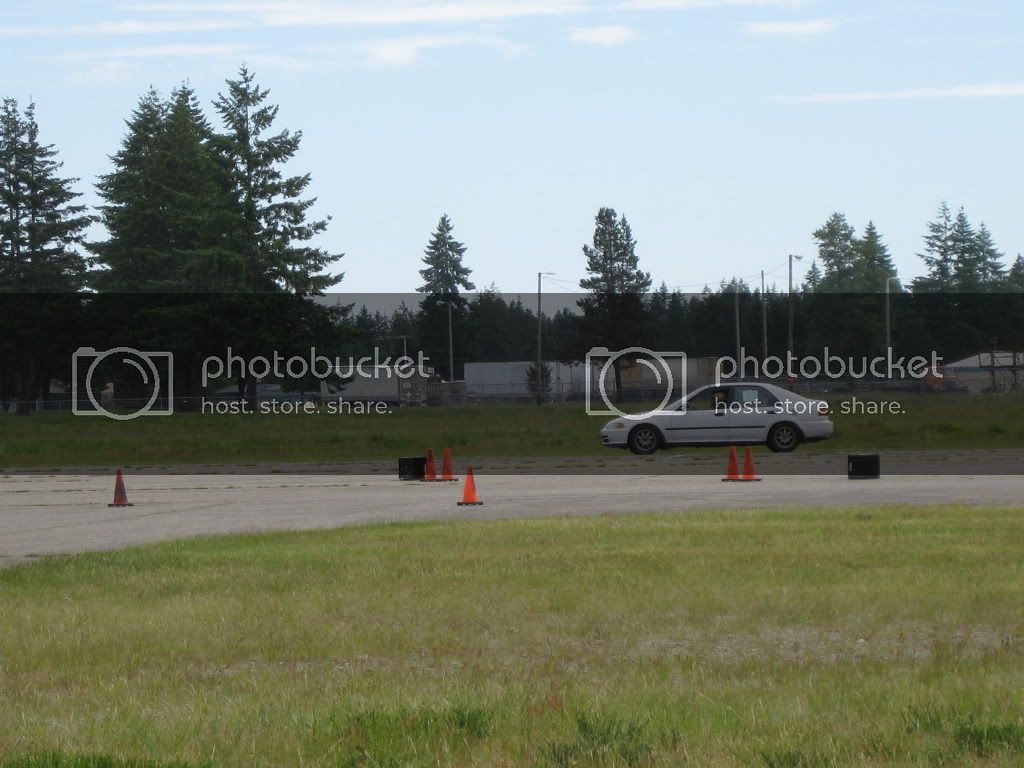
(741, 413)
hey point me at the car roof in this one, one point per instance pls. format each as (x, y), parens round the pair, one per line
(772, 387)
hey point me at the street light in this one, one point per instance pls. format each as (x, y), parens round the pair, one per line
(451, 351)
(764, 321)
(789, 349)
(540, 363)
(888, 321)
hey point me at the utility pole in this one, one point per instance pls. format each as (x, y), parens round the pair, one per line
(789, 347)
(451, 346)
(764, 321)
(540, 358)
(888, 325)
(451, 349)
(736, 317)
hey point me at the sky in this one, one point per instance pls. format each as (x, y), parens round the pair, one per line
(725, 130)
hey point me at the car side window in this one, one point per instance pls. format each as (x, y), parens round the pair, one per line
(751, 398)
(708, 400)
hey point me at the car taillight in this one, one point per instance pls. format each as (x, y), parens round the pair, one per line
(824, 410)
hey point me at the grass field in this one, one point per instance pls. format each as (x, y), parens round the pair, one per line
(63, 440)
(780, 639)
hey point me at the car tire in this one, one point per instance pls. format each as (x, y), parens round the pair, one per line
(784, 438)
(644, 440)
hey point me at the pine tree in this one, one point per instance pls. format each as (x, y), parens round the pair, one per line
(39, 223)
(169, 207)
(200, 214)
(1015, 277)
(538, 383)
(837, 254)
(614, 312)
(813, 278)
(675, 335)
(612, 261)
(657, 312)
(54, 224)
(133, 198)
(491, 336)
(874, 264)
(938, 253)
(444, 273)
(442, 309)
(274, 229)
(963, 244)
(402, 325)
(989, 260)
(12, 194)
(40, 267)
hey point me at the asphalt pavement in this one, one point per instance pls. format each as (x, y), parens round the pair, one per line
(44, 514)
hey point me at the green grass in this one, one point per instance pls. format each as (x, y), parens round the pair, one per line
(60, 760)
(62, 440)
(883, 637)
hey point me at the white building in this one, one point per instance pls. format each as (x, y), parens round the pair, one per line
(569, 381)
(986, 372)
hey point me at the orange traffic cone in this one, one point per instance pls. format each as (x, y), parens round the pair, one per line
(447, 473)
(120, 494)
(733, 472)
(430, 470)
(469, 497)
(749, 475)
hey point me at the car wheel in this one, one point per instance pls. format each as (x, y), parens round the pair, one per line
(783, 438)
(644, 440)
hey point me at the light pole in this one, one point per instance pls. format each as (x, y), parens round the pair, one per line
(451, 350)
(764, 321)
(888, 319)
(736, 319)
(540, 359)
(789, 348)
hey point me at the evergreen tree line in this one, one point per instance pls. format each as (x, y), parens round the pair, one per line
(209, 241)
(965, 303)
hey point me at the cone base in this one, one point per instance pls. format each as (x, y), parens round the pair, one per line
(120, 505)
(470, 503)
(741, 479)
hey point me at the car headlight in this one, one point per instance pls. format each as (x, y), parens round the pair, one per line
(616, 425)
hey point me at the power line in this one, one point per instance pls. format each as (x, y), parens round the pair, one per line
(702, 284)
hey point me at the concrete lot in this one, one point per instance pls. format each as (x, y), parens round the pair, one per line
(48, 514)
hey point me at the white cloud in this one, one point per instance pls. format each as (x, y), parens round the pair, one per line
(108, 65)
(182, 16)
(804, 28)
(159, 52)
(606, 36)
(686, 5)
(390, 14)
(402, 51)
(309, 13)
(124, 27)
(988, 90)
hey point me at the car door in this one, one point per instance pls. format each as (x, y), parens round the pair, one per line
(705, 419)
(752, 409)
